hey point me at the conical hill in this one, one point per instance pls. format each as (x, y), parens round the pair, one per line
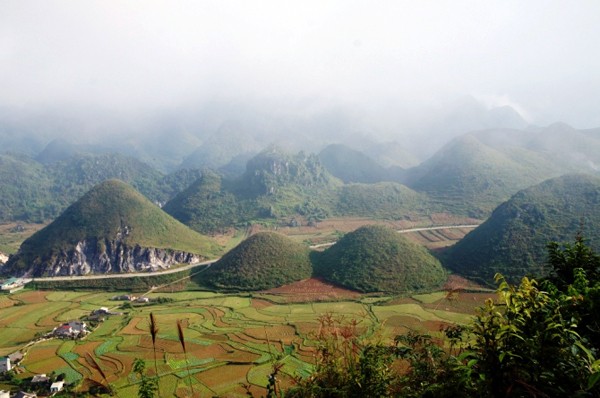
(263, 261)
(377, 259)
(101, 233)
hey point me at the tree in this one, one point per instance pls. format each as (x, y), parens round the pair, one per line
(148, 385)
(526, 346)
(564, 260)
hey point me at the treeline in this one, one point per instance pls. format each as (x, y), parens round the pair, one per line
(133, 283)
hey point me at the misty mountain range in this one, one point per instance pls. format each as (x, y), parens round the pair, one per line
(224, 134)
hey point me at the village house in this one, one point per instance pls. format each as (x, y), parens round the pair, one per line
(101, 311)
(64, 331)
(12, 285)
(125, 297)
(5, 365)
(57, 386)
(78, 326)
(4, 394)
(16, 357)
(40, 378)
(23, 394)
(71, 329)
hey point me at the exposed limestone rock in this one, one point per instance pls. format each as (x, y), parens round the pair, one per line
(108, 257)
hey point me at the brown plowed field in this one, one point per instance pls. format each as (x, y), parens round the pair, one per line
(312, 289)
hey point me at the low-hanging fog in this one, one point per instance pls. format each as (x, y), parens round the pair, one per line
(168, 76)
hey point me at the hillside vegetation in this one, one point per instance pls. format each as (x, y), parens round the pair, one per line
(278, 186)
(112, 211)
(377, 259)
(513, 240)
(469, 177)
(36, 192)
(263, 261)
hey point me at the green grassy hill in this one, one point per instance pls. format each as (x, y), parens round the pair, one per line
(378, 259)
(350, 165)
(204, 206)
(385, 200)
(469, 177)
(112, 211)
(25, 189)
(278, 186)
(275, 185)
(513, 240)
(263, 261)
(33, 192)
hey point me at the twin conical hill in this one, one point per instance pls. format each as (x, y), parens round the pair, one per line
(377, 259)
(101, 233)
(263, 261)
(513, 240)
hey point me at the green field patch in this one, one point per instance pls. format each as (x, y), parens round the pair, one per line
(107, 328)
(296, 367)
(180, 363)
(45, 364)
(71, 375)
(259, 375)
(69, 315)
(375, 300)
(168, 385)
(28, 315)
(212, 301)
(65, 296)
(296, 309)
(13, 337)
(236, 302)
(184, 296)
(66, 347)
(277, 309)
(430, 297)
(342, 307)
(452, 317)
(6, 301)
(384, 312)
(222, 381)
(108, 345)
(261, 315)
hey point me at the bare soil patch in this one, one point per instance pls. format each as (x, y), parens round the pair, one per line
(260, 304)
(313, 289)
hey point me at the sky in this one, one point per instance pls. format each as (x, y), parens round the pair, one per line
(541, 57)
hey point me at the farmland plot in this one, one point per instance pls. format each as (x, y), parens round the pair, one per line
(232, 341)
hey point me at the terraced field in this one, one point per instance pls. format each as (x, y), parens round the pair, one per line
(232, 341)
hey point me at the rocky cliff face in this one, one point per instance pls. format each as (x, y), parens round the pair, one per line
(104, 257)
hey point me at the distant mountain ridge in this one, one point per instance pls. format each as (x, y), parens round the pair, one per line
(36, 192)
(279, 186)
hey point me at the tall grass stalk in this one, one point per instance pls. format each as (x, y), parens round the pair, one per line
(187, 364)
(154, 333)
(96, 366)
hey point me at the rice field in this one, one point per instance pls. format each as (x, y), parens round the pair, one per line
(232, 341)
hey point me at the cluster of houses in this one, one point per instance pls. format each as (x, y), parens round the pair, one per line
(13, 284)
(71, 330)
(38, 382)
(127, 297)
